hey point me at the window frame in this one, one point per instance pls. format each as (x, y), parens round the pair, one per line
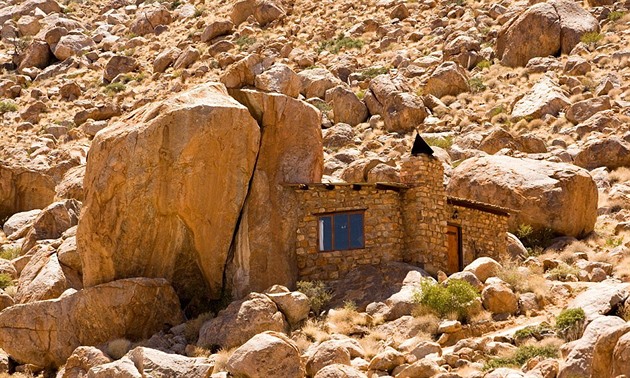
(332, 215)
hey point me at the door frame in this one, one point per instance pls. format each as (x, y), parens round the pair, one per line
(460, 249)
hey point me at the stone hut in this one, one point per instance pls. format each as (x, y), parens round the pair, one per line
(342, 226)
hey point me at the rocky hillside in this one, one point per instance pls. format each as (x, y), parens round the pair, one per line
(143, 148)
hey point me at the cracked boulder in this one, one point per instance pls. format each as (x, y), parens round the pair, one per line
(164, 190)
(544, 29)
(290, 152)
(45, 333)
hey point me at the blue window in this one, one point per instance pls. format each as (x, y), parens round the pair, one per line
(341, 231)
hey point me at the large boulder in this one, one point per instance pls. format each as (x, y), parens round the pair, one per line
(82, 360)
(152, 362)
(449, 78)
(545, 97)
(544, 29)
(621, 357)
(290, 152)
(600, 299)
(73, 44)
(611, 152)
(483, 268)
(52, 222)
(499, 299)
(241, 321)
(279, 78)
(579, 354)
(603, 350)
(164, 190)
(347, 108)
(24, 188)
(45, 333)
(557, 196)
(19, 221)
(402, 112)
(149, 18)
(44, 277)
(339, 371)
(268, 355)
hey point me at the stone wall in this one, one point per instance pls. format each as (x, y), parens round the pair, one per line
(424, 212)
(383, 229)
(483, 233)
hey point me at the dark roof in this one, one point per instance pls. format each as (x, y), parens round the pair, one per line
(357, 186)
(421, 147)
(481, 206)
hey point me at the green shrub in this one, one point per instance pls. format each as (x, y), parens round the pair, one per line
(537, 332)
(615, 15)
(443, 142)
(115, 87)
(482, 65)
(457, 298)
(5, 280)
(562, 272)
(340, 43)
(10, 253)
(476, 85)
(569, 323)
(521, 356)
(534, 238)
(372, 72)
(244, 42)
(317, 293)
(591, 38)
(7, 106)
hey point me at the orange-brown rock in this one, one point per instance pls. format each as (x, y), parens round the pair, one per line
(164, 190)
(290, 152)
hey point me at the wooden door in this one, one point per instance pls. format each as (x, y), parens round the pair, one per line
(454, 263)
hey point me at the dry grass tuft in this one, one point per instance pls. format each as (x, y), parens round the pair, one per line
(118, 348)
(198, 351)
(523, 280)
(621, 174)
(373, 343)
(315, 331)
(221, 358)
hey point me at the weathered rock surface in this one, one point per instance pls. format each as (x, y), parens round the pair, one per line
(543, 29)
(339, 371)
(159, 364)
(279, 78)
(241, 321)
(52, 222)
(557, 196)
(268, 354)
(46, 333)
(290, 152)
(611, 152)
(24, 188)
(545, 97)
(449, 78)
(483, 268)
(197, 146)
(401, 111)
(499, 299)
(294, 305)
(82, 360)
(600, 300)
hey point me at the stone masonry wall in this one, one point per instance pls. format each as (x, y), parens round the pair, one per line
(424, 213)
(483, 233)
(383, 229)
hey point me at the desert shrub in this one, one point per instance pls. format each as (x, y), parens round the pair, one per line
(536, 331)
(221, 358)
(562, 272)
(5, 280)
(244, 42)
(476, 85)
(346, 320)
(484, 64)
(317, 292)
(372, 72)
(591, 38)
(534, 238)
(444, 142)
(118, 348)
(615, 15)
(340, 43)
(522, 281)
(7, 106)
(10, 253)
(315, 331)
(115, 88)
(456, 298)
(522, 355)
(569, 323)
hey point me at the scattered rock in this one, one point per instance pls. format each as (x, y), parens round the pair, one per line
(268, 354)
(449, 78)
